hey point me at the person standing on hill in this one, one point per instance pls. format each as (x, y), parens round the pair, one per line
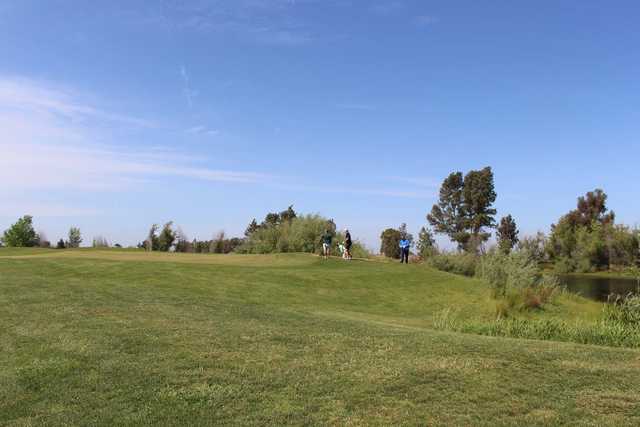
(326, 244)
(404, 250)
(347, 243)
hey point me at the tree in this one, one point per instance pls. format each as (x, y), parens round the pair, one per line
(507, 234)
(61, 244)
(167, 237)
(75, 238)
(478, 197)
(100, 242)
(152, 243)
(448, 216)
(288, 215)
(21, 234)
(464, 209)
(390, 243)
(251, 228)
(426, 243)
(217, 244)
(182, 241)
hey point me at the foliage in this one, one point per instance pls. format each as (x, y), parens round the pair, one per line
(167, 237)
(535, 246)
(74, 238)
(152, 243)
(448, 215)
(461, 263)
(21, 234)
(507, 234)
(390, 243)
(587, 239)
(625, 310)
(426, 244)
(508, 272)
(464, 209)
(100, 242)
(301, 234)
(61, 244)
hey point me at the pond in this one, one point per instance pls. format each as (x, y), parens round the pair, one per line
(599, 288)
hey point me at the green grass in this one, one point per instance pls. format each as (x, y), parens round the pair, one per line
(128, 338)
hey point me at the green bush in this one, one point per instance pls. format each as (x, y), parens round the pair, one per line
(464, 264)
(506, 272)
(301, 234)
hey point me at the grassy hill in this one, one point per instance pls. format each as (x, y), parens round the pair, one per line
(125, 337)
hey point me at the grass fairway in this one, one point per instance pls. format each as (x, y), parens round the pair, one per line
(128, 338)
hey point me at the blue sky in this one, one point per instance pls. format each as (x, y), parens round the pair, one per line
(119, 114)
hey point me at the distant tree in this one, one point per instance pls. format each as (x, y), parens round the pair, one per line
(288, 215)
(75, 238)
(21, 234)
(251, 228)
(479, 195)
(117, 245)
(217, 244)
(507, 234)
(167, 237)
(271, 219)
(61, 244)
(182, 242)
(152, 243)
(535, 246)
(448, 215)
(426, 243)
(390, 243)
(464, 209)
(100, 242)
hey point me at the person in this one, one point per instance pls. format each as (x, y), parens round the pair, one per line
(347, 244)
(404, 250)
(326, 244)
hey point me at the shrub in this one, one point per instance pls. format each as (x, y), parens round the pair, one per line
(517, 270)
(623, 309)
(21, 234)
(464, 264)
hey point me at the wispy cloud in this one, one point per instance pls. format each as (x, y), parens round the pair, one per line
(28, 97)
(260, 21)
(202, 130)
(50, 143)
(188, 93)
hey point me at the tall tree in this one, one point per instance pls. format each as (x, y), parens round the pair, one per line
(507, 234)
(21, 234)
(478, 196)
(448, 216)
(75, 238)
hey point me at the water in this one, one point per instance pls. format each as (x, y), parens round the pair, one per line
(599, 288)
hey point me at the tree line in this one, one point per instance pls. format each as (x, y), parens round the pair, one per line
(586, 239)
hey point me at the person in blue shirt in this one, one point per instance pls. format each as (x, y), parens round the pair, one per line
(404, 250)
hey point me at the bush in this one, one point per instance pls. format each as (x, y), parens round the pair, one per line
(464, 264)
(506, 272)
(625, 310)
(301, 234)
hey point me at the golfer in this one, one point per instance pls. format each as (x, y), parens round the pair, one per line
(326, 244)
(404, 250)
(347, 243)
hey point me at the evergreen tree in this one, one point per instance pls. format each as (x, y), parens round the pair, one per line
(167, 237)
(507, 234)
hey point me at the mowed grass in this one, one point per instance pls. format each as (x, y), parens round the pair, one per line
(128, 338)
